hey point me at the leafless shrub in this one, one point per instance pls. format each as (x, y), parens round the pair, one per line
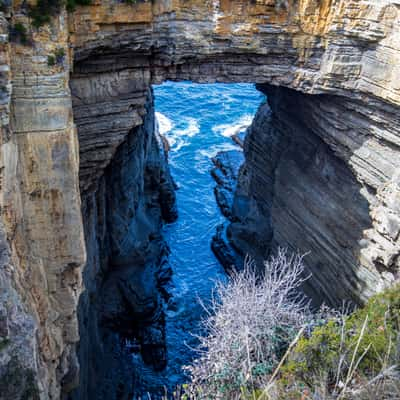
(250, 324)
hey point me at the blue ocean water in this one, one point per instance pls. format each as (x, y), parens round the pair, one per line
(197, 120)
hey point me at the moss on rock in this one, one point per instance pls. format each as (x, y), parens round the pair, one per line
(18, 382)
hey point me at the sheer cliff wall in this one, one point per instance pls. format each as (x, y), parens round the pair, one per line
(326, 154)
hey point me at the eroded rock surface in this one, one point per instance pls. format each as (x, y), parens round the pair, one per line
(309, 183)
(40, 203)
(226, 173)
(336, 170)
(122, 301)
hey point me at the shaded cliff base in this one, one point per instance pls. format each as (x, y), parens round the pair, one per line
(121, 311)
(225, 173)
(19, 365)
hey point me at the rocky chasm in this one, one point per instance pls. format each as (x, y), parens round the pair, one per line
(321, 171)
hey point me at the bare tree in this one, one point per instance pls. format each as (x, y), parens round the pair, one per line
(250, 323)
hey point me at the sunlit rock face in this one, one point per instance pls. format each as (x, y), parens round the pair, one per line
(41, 216)
(331, 143)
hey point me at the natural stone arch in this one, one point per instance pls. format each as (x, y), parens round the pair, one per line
(343, 48)
(318, 63)
(322, 48)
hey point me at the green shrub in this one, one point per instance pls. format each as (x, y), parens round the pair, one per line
(51, 60)
(352, 356)
(19, 33)
(42, 12)
(59, 55)
(363, 343)
(72, 4)
(56, 58)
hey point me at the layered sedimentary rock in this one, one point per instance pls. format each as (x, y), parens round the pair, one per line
(313, 181)
(122, 301)
(40, 211)
(330, 179)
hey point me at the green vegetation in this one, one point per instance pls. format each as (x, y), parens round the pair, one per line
(51, 60)
(44, 10)
(72, 4)
(59, 55)
(357, 347)
(262, 343)
(56, 58)
(19, 33)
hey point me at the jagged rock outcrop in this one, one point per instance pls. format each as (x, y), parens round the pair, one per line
(225, 173)
(340, 58)
(122, 302)
(311, 183)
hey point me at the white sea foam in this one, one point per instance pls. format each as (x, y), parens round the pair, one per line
(177, 138)
(164, 123)
(212, 152)
(229, 130)
(191, 130)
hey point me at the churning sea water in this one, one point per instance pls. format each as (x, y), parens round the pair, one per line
(197, 120)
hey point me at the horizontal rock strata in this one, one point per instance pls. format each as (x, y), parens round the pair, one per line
(122, 301)
(40, 205)
(311, 185)
(342, 56)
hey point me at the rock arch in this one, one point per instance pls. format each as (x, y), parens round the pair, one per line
(337, 59)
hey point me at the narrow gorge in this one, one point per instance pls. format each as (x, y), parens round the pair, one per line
(86, 187)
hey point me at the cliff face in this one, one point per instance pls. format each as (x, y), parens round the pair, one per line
(321, 173)
(40, 211)
(122, 301)
(301, 187)
(342, 59)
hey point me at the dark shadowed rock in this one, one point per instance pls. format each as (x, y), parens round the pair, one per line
(225, 173)
(298, 189)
